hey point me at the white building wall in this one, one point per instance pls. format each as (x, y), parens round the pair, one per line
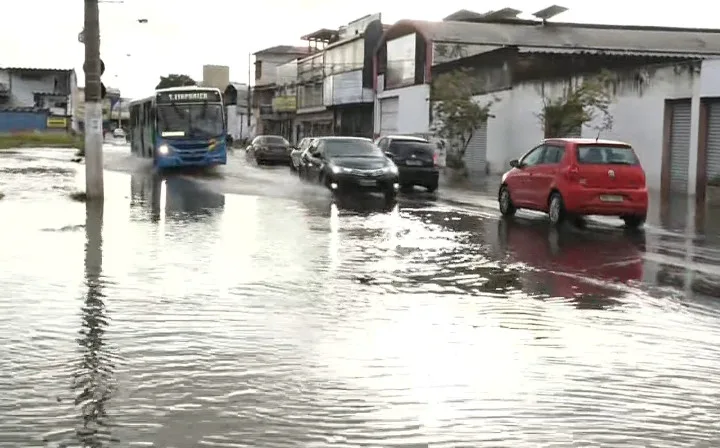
(270, 65)
(638, 119)
(413, 112)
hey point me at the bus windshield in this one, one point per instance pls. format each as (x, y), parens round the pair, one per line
(190, 120)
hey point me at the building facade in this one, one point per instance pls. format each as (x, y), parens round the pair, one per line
(664, 82)
(266, 84)
(334, 91)
(236, 98)
(36, 99)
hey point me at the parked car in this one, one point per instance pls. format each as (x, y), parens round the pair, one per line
(573, 177)
(269, 149)
(296, 153)
(349, 165)
(416, 159)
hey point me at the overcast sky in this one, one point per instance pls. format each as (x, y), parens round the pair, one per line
(181, 36)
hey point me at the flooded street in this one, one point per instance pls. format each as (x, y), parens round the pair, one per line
(244, 309)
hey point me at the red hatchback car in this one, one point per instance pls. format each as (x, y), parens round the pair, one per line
(573, 177)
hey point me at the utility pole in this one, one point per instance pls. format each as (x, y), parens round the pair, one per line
(249, 93)
(94, 188)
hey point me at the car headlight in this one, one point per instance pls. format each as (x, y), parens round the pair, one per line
(339, 169)
(392, 169)
(164, 150)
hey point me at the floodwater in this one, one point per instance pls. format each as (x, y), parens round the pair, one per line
(243, 309)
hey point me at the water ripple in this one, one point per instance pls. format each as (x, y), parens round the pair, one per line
(230, 321)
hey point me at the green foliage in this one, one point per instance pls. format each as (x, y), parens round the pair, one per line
(456, 115)
(41, 140)
(175, 80)
(578, 106)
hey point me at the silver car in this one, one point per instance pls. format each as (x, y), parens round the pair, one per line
(296, 153)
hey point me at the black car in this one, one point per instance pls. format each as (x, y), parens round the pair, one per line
(416, 159)
(350, 164)
(269, 149)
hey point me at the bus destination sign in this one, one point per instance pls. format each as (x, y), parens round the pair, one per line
(197, 96)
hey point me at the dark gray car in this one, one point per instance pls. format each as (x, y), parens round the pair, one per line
(266, 149)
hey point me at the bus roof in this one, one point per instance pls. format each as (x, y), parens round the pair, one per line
(175, 89)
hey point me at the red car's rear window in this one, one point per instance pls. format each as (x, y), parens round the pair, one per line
(606, 155)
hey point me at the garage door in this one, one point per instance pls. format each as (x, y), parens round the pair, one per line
(680, 146)
(389, 115)
(712, 163)
(476, 152)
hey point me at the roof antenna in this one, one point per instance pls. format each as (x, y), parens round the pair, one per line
(598, 136)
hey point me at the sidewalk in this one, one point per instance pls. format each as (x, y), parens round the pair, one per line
(679, 214)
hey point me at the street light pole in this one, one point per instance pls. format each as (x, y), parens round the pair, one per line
(94, 188)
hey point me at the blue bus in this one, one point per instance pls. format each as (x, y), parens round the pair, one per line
(180, 127)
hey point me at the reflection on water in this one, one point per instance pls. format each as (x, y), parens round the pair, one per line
(174, 196)
(693, 249)
(280, 323)
(586, 266)
(93, 377)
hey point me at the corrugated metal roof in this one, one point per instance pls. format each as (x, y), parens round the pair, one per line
(284, 49)
(576, 36)
(660, 54)
(36, 69)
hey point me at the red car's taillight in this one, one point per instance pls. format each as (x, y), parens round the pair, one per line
(435, 159)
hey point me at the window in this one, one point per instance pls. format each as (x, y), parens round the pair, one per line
(606, 155)
(339, 147)
(273, 140)
(400, 61)
(553, 154)
(258, 70)
(405, 148)
(534, 157)
(383, 143)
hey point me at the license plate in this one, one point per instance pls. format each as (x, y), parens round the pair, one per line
(414, 162)
(366, 183)
(611, 198)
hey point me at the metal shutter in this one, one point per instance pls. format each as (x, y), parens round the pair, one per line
(680, 146)
(712, 162)
(388, 115)
(476, 152)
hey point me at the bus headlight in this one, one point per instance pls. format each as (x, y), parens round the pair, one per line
(164, 150)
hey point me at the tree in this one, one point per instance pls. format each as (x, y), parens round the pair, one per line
(175, 80)
(578, 106)
(456, 115)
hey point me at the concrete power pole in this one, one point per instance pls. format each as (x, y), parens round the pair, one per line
(94, 188)
(249, 94)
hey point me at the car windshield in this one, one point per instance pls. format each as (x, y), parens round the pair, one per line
(407, 148)
(606, 155)
(190, 120)
(351, 148)
(273, 140)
